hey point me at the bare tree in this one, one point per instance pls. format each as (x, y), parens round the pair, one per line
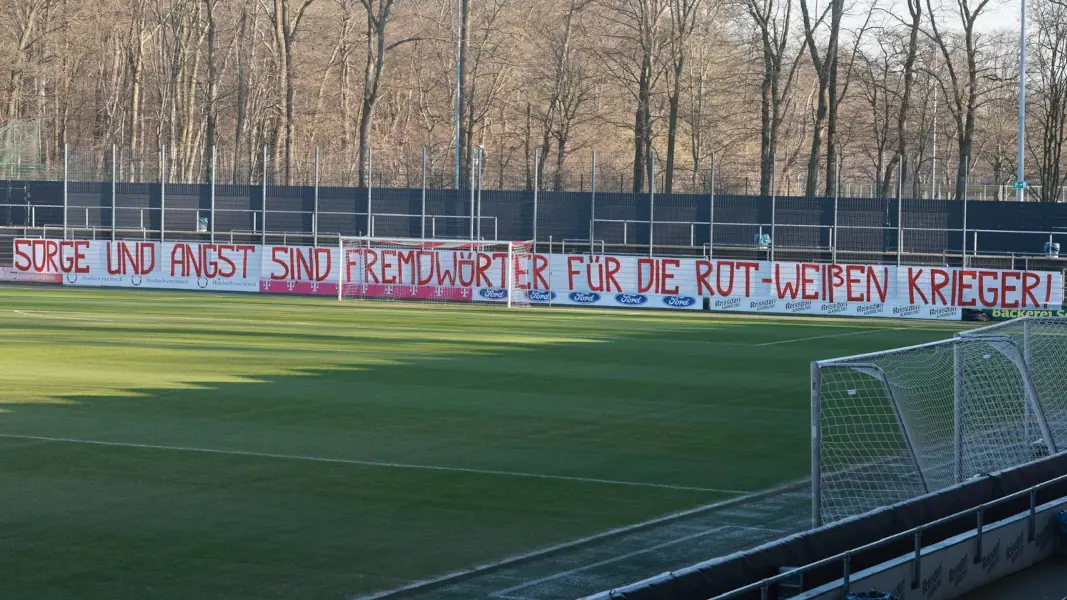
(683, 20)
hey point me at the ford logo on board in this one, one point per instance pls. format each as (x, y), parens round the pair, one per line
(541, 295)
(493, 294)
(679, 301)
(584, 297)
(631, 299)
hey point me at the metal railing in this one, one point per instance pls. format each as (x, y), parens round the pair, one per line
(916, 534)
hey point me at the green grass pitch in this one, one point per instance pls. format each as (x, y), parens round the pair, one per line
(165, 445)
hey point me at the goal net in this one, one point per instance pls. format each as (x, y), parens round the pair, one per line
(894, 425)
(436, 270)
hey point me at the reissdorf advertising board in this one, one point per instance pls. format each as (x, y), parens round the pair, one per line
(581, 280)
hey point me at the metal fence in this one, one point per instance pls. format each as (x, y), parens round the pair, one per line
(711, 224)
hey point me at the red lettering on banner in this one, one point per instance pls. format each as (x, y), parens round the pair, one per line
(983, 287)
(388, 276)
(805, 280)
(594, 267)
(484, 261)
(882, 291)
(276, 254)
(1007, 289)
(1048, 290)
(1030, 283)
(704, 271)
(50, 256)
(572, 270)
(613, 267)
(465, 268)
(728, 289)
(913, 286)
(141, 260)
(244, 249)
(643, 286)
(540, 265)
(964, 298)
(370, 258)
(939, 280)
(409, 260)
(667, 276)
(835, 279)
(426, 261)
(444, 274)
(856, 281)
(300, 264)
(787, 290)
(748, 268)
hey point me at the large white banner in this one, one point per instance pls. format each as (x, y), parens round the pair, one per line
(569, 279)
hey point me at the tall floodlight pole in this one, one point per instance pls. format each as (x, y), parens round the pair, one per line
(1022, 100)
(459, 90)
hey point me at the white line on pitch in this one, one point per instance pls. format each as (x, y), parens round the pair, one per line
(832, 335)
(504, 592)
(371, 463)
(424, 583)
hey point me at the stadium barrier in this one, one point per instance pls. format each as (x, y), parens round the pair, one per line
(863, 542)
(624, 281)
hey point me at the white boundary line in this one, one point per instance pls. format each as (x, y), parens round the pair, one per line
(472, 571)
(828, 336)
(370, 463)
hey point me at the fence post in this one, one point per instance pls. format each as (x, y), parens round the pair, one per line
(651, 199)
(900, 209)
(211, 182)
(66, 199)
(711, 209)
(263, 209)
(774, 203)
(966, 182)
(315, 206)
(537, 166)
(162, 194)
(837, 197)
(422, 217)
(114, 183)
(592, 206)
(474, 172)
(816, 446)
(370, 191)
(481, 166)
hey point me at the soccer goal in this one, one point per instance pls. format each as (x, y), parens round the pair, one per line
(891, 426)
(436, 270)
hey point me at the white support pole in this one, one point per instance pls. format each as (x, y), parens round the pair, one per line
(66, 197)
(957, 413)
(162, 194)
(474, 173)
(263, 208)
(537, 166)
(343, 274)
(774, 204)
(816, 446)
(711, 208)
(114, 184)
(422, 218)
(651, 200)
(1027, 356)
(966, 182)
(510, 272)
(592, 207)
(1021, 176)
(315, 206)
(900, 210)
(837, 199)
(370, 191)
(481, 166)
(211, 183)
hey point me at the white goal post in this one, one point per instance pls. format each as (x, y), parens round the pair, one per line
(436, 270)
(891, 426)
